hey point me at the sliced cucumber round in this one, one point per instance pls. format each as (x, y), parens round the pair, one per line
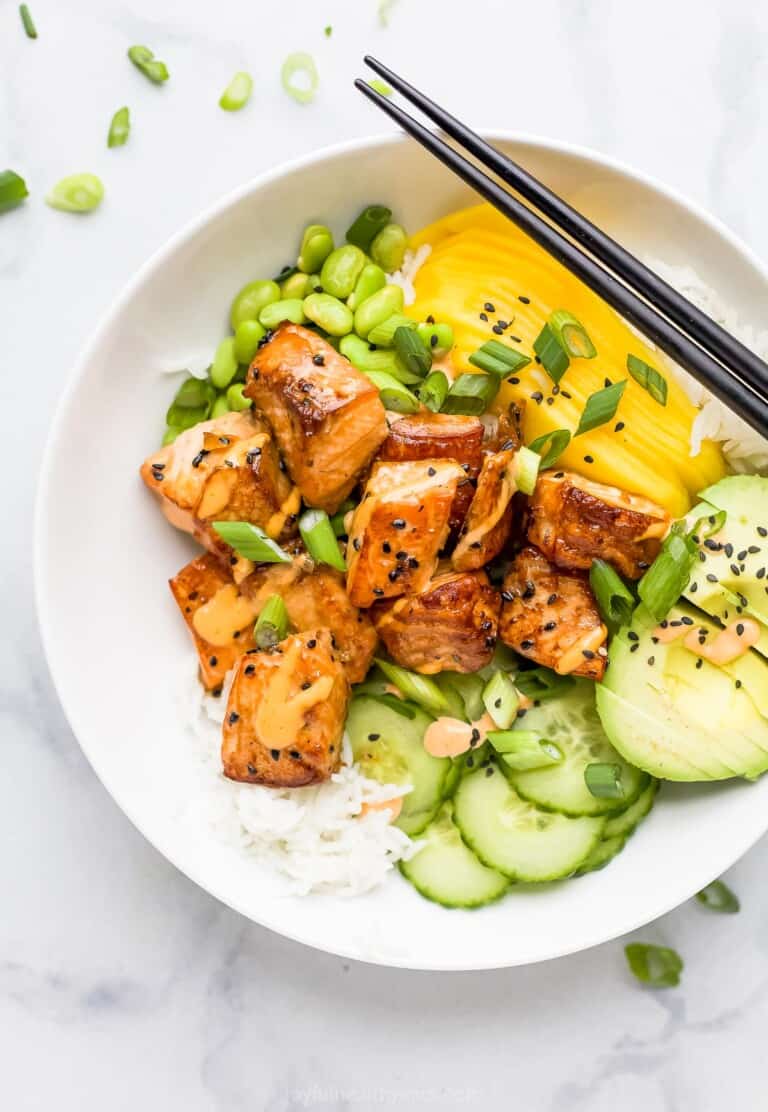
(572, 723)
(516, 838)
(626, 822)
(605, 851)
(446, 871)
(389, 748)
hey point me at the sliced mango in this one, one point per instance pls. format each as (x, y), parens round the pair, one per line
(477, 257)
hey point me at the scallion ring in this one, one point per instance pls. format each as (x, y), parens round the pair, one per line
(603, 780)
(471, 394)
(524, 750)
(251, 542)
(300, 66)
(501, 700)
(550, 446)
(320, 539)
(572, 335)
(119, 128)
(421, 689)
(412, 350)
(649, 378)
(526, 468)
(600, 407)
(717, 896)
(657, 966)
(237, 93)
(433, 391)
(614, 599)
(13, 189)
(365, 227)
(498, 358)
(27, 21)
(552, 355)
(394, 395)
(76, 193)
(144, 59)
(668, 575)
(271, 624)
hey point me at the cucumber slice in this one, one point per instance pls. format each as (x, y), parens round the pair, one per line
(389, 748)
(605, 851)
(462, 766)
(572, 723)
(626, 822)
(516, 838)
(447, 872)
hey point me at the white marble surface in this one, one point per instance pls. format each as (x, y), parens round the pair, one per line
(121, 984)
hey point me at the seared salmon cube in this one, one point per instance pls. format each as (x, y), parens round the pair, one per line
(399, 528)
(574, 520)
(326, 416)
(551, 616)
(219, 616)
(489, 518)
(285, 715)
(449, 626)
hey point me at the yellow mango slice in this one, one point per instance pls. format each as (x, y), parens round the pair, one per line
(478, 256)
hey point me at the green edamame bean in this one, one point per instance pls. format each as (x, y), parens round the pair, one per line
(220, 406)
(236, 400)
(341, 270)
(251, 299)
(437, 337)
(389, 247)
(372, 279)
(376, 309)
(291, 309)
(316, 246)
(332, 315)
(224, 366)
(247, 337)
(298, 285)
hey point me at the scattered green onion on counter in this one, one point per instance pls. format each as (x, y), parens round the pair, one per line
(364, 229)
(657, 966)
(603, 780)
(237, 93)
(572, 335)
(649, 378)
(299, 77)
(614, 599)
(550, 446)
(271, 624)
(600, 407)
(421, 689)
(471, 394)
(717, 896)
(251, 542)
(13, 189)
(501, 700)
(119, 128)
(498, 358)
(145, 61)
(552, 355)
(27, 21)
(320, 539)
(76, 193)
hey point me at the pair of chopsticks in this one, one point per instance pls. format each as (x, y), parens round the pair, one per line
(719, 361)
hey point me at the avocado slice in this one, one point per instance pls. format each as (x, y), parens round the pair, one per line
(732, 580)
(680, 719)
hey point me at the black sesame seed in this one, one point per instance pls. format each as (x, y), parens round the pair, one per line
(498, 330)
(483, 316)
(249, 669)
(550, 626)
(374, 737)
(213, 661)
(735, 569)
(634, 648)
(295, 754)
(319, 359)
(157, 475)
(251, 769)
(651, 660)
(589, 459)
(431, 471)
(489, 770)
(306, 685)
(199, 457)
(728, 549)
(711, 578)
(398, 523)
(693, 588)
(552, 600)
(740, 628)
(312, 643)
(699, 663)
(753, 549)
(618, 426)
(526, 644)
(760, 574)
(762, 531)
(274, 754)
(513, 380)
(489, 307)
(632, 636)
(378, 591)
(356, 544)
(507, 596)
(525, 300)
(386, 547)
(413, 562)
(737, 683)
(537, 397)
(588, 654)
(741, 555)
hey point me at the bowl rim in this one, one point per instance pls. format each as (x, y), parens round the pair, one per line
(47, 467)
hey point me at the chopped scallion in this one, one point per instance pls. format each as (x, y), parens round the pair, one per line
(320, 540)
(144, 59)
(649, 378)
(27, 21)
(471, 394)
(328, 31)
(399, 706)
(237, 93)
(550, 446)
(394, 395)
(501, 700)
(527, 465)
(251, 542)
(119, 128)
(13, 189)
(572, 335)
(601, 407)
(271, 624)
(658, 966)
(717, 896)
(552, 355)
(301, 66)
(498, 358)
(433, 391)
(614, 599)
(364, 229)
(604, 780)
(338, 519)
(421, 689)
(76, 193)
(412, 350)
(523, 750)
(383, 335)
(385, 7)
(540, 684)
(380, 87)
(668, 575)
(708, 525)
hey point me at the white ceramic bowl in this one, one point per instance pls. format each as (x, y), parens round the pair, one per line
(104, 553)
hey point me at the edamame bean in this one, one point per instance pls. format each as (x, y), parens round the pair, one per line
(220, 406)
(251, 299)
(298, 285)
(389, 247)
(437, 337)
(224, 366)
(332, 315)
(236, 400)
(372, 279)
(316, 246)
(376, 309)
(291, 309)
(341, 270)
(247, 337)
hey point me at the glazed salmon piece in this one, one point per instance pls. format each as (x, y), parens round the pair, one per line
(449, 626)
(285, 714)
(551, 616)
(326, 416)
(226, 469)
(219, 616)
(399, 528)
(574, 520)
(489, 518)
(440, 436)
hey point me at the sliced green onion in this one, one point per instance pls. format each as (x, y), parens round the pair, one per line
(572, 335)
(470, 687)
(668, 575)
(361, 355)
(501, 700)
(471, 394)
(614, 599)
(320, 540)
(383, 335)
(498, 358)
(555, 444)
(271, 624)
(237, 93)
(456, 706)
(522, 750)
(413, 351)
(337, 520)
(601, 407)
(394, 395)
(540, 684)
(717, 896)
(433, 391)
(27, 21)
(251, 542)
(658, 966)
(380, 87)
(328, 31)
(649, 378)
(527, 465)
(144, 60)
(385, 7)
(76, 193)
(707, 525)
(421, 689)
(552, 355)
(119, 128)
(302, 66)
(364, 229)
(13, 189)
(604, 780)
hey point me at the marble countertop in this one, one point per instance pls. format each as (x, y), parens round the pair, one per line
(122, 985)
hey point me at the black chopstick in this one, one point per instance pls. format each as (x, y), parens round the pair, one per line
(739, 394)
(721, 344)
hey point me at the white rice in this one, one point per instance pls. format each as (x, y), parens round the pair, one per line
(314, 837)
(412, 264)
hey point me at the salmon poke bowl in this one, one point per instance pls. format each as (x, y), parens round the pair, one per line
(433, 596)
